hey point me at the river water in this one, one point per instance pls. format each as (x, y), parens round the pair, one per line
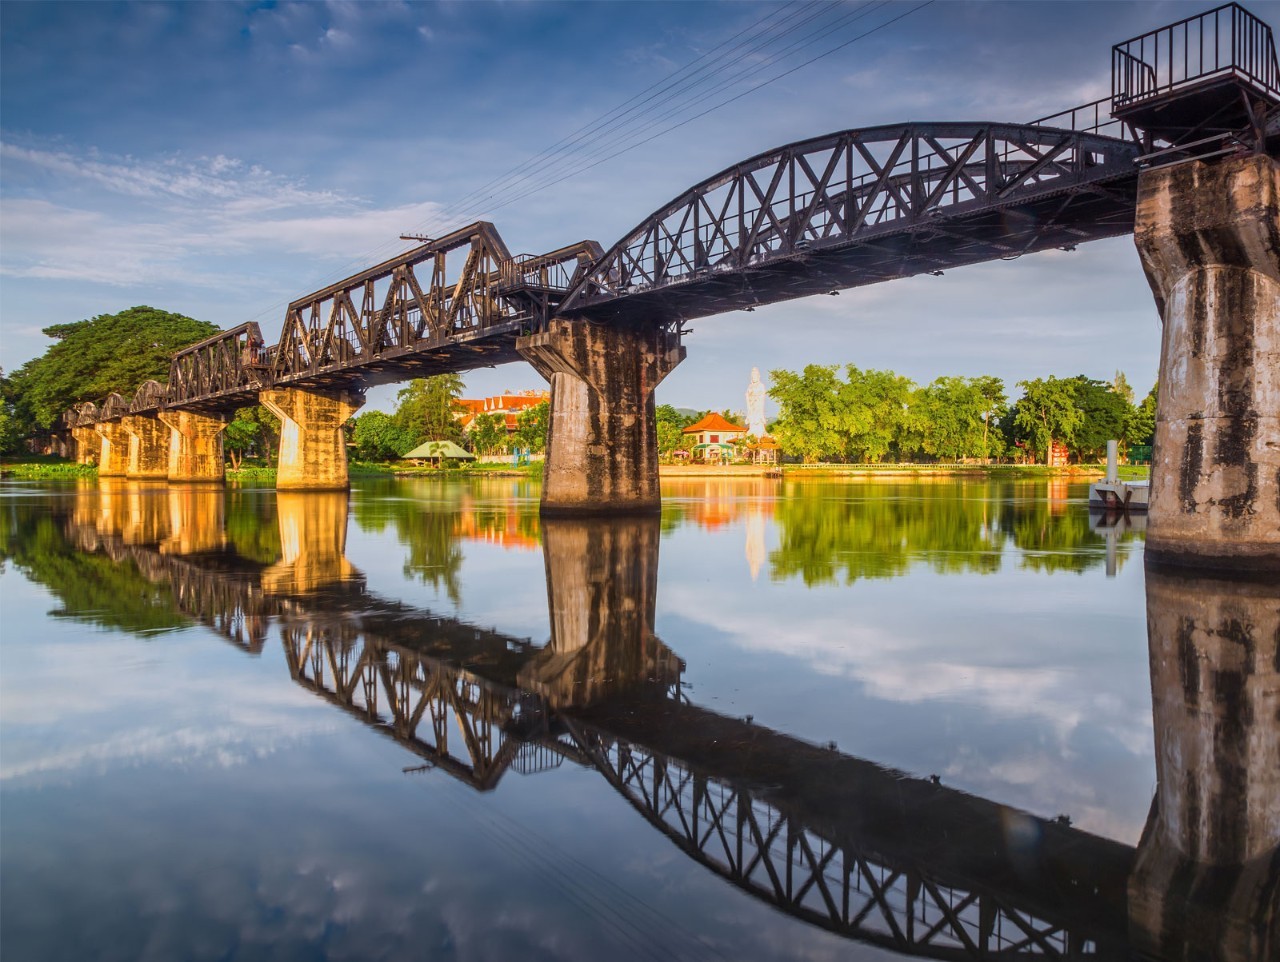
(785, 720)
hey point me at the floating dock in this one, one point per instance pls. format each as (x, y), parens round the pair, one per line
(1116, 495)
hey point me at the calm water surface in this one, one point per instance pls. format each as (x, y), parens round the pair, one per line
(786, 720)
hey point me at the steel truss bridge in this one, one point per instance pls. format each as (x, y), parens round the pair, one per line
(844, 210)
(838, 842)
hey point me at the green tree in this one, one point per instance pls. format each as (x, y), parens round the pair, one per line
(671, 424)
(994, 406)
(10, 425)
(96, 357)
(379, 436)
(1047, 412)
(531, 427)
(808, 422)
(426, 408)
(253, 430)
(1141, 428)
(1120, 384)
(488, 434)
(872, 412)
(1105, 414)
(950, 417)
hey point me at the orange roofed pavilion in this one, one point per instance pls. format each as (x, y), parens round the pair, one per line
(714, 437)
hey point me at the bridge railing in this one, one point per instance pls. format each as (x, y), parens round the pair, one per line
(1092, 118)
(1228, 41)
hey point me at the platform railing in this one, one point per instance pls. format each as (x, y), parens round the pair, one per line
(1227, 41)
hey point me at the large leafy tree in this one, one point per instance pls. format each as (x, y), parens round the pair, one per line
(671, 424)
(426, 408)
(809, 417)
(10, 425)
(1142, 420)
(531, 427)
(994, 406)
(488, 434)
(93, 358)
(1105, 414)
(1047, 412)
(873, 409)
(950, 416)
(379, 436)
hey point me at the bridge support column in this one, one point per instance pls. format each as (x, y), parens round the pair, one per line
(602, 585)
(148, 447)
(602, 447)
(88, 445)
(1209, 238)
(313, 450)
(113, 452)
(195, 446)
(1207, 865)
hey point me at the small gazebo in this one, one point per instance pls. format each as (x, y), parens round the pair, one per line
(439, 451)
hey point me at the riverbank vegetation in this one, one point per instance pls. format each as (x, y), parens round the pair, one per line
(873, 417)
(89, 359)
(827, 414)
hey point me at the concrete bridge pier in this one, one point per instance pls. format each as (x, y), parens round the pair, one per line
(602, 589)
(113, 449)
(148, 447)
(313, 449)
(1209, 237)
(195, 446)
(88, 445)
(602, 446)
(1206, 880)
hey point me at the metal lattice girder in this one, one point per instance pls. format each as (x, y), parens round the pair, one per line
(859, 207)
(113, 408)
(454, 303)
(222, 371)
(149, 397)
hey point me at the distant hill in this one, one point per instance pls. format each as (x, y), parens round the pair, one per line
(688, 412)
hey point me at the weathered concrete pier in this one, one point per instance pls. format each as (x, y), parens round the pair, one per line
(602, 445)
(313, 448)
(1209, 237)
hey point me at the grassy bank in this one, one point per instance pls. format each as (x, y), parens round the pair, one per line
(265, 474)
(38, 468)
(1082, 472)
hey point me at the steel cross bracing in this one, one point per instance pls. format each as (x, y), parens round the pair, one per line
(818, 857)
(860, 207)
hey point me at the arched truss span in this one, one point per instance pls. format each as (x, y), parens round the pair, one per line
(149, 397)
(859, 207)
(114, 408)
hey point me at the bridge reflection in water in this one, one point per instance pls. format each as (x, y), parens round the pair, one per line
(837, 841)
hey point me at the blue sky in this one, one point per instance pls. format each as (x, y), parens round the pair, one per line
(220, 159)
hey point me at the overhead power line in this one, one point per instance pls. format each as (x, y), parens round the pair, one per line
(657, 109)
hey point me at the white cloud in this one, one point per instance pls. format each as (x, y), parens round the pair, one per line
(182, 218)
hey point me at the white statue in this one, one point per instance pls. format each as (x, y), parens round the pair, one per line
(755, 405)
